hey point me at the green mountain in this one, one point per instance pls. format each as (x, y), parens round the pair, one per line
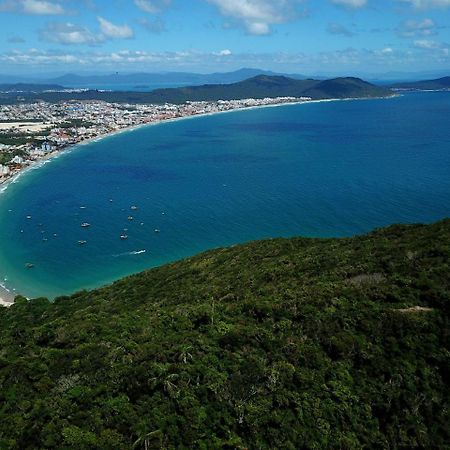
(261, 86)
(283, 343)
(440, 84)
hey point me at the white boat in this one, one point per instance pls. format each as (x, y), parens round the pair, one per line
(85, 225)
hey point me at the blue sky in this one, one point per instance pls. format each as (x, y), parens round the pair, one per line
(296, 36)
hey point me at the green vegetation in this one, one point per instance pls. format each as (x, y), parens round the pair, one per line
(284, 343)
(76, 123)
(440, 84)
(23, 138)
(261, 86)
(7, 156)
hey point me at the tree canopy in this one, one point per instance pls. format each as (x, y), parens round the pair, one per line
(283, 343)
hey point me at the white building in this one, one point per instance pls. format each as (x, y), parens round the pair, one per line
(47, 147)
(4, 171)
(17, 160)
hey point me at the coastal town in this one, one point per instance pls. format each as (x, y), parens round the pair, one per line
(30, 133)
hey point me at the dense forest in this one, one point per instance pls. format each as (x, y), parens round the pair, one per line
(283, 344)
(258, 87)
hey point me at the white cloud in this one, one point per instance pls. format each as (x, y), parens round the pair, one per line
(152, 6)
(69, 34)
(354, 4)
(113, 31)
(258, 15)
(413, 28)
(34, 7)
(224, 52)
(41, 7)
(428, 4)
(348, 61)
(426, 44)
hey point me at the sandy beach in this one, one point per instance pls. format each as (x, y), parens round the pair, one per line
(6, 298)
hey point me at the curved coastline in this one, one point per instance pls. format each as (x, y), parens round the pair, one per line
(70, 148)
(8, 293)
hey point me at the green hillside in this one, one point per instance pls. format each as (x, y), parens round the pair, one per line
(440, 84)
(283, 344)
(261, 86)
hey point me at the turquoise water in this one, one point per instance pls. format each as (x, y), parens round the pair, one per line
(323, 169)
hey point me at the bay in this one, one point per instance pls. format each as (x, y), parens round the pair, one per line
(319, 169)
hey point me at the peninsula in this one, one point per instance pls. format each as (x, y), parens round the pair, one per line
(258, 87)
(439, 84)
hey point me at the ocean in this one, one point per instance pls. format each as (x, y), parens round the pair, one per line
(319, 169)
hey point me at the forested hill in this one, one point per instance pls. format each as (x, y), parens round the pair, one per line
(438, 84)
(273, 86)
(261, 86)
(284, 343)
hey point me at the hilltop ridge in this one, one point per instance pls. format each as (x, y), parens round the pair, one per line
(258, 87)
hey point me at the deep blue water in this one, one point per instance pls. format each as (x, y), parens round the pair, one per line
(323, 169)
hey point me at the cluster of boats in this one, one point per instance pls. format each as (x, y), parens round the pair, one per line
(123, 236)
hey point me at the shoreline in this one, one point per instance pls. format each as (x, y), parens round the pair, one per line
(4, 184)
(6, 296)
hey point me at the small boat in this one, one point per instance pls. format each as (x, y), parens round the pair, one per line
(130, 218)
(157, 231)
(85, 225)
(44, 239)
(82, 242)
(29, 265)
(123, 237)
(82, 207)
(134, 208)
(28, 217)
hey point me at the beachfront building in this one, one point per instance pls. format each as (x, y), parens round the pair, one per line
(17, 160)
(4, 171)
(46, 147)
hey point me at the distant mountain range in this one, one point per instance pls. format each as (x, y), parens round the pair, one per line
(438, 84)
(149, 79)
(258, 87)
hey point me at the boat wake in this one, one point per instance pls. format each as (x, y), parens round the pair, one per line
(136, 252)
